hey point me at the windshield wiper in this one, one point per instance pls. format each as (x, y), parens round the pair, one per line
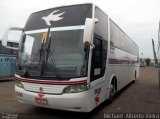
(44, 52)
(26, 74)
(40, 53)
(53, 63)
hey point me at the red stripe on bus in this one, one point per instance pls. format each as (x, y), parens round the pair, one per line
(50, 82)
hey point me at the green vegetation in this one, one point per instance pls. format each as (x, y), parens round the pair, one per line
(147, 61)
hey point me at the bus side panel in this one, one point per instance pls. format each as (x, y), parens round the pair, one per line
(123, 56)
(98, 92)
(119, 71)
(123, 66)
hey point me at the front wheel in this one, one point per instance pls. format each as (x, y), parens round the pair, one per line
(112, 92)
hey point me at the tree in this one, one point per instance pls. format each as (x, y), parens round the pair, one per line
(147, 60)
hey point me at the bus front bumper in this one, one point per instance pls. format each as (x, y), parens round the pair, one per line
(78, 102)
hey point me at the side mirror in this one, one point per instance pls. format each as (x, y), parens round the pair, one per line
(12, 34)
(89, 29)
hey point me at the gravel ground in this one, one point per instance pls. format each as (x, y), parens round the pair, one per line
(143, 96)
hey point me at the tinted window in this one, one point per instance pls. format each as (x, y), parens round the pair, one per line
(67, 50)
(72, 15)
(115, 35)
(120, 40)
(101, 27)
(99, 57)
(63, 53)
(4, 50)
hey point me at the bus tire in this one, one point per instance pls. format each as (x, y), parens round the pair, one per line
(112, 90)
(135, 77)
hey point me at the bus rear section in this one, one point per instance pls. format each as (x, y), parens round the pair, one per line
(7, 61)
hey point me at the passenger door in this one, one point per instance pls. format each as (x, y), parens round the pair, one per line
(98, 61)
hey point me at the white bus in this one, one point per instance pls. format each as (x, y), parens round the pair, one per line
(73, 58)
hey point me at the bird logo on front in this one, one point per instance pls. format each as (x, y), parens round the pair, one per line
(52, 17)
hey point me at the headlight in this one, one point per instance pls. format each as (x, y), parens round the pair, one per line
(19, 84)
(76, 88)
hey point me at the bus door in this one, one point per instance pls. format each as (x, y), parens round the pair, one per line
(98, 64)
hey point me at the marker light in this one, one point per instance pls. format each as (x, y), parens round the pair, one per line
(19, 84)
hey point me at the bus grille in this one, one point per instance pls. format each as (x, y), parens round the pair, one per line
(43, 88)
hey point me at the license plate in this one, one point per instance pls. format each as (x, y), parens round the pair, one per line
(41, 101)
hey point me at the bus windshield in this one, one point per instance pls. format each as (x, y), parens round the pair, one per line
(63, 57)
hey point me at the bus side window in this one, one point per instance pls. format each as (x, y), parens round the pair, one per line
(104, 55)
(97, 61)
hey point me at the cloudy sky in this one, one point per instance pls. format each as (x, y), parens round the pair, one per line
(138, 18)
